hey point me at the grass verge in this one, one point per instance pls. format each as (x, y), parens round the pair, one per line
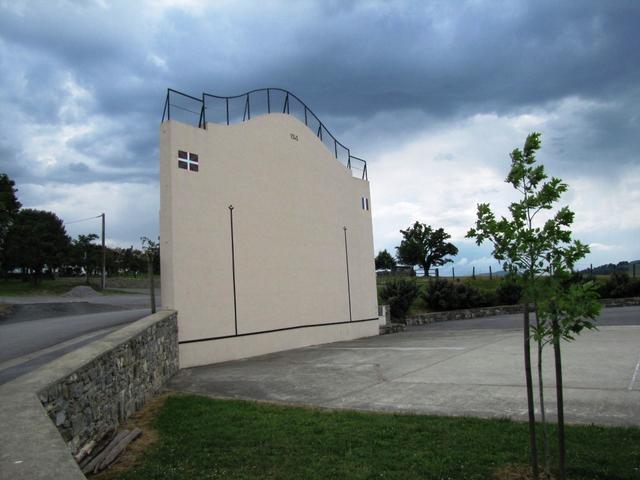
(17, 287)
(201, 437)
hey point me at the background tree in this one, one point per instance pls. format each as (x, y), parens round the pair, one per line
(539, 254)
(86, 254)
(422, 245)
(36, 239)
(9, 207)
(385, 260)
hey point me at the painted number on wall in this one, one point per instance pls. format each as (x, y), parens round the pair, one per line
(294, 137)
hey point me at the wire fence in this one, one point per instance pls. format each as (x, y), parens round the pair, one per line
(240, 108)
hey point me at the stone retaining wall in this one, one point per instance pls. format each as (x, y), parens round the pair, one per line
(85, 394)
(100, 395)
(427, 318)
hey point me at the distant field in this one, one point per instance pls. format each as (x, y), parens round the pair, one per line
(18, 287)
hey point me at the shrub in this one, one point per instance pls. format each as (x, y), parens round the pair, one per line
(399, 294)
(443, 295)
(509, 291)
(619, 285)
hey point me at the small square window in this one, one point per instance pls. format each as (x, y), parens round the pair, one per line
(188, 161)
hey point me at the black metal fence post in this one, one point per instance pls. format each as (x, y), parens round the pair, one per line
(268, 100)
(473, 274)
(164, 110)
(490, 273)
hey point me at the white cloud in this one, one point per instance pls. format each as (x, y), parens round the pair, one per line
(121, 202)
(602, 247)
(158, 61)
(439, 176)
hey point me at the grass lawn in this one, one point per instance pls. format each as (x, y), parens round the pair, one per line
(199, 438)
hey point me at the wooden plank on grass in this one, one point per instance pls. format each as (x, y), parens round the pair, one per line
(98, 458)
(118, 449)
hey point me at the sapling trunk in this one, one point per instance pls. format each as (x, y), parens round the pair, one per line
(562, 474)
(543, 415)
(532, 418)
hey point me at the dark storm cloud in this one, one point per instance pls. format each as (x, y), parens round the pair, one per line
(357, 60)
(354, 60)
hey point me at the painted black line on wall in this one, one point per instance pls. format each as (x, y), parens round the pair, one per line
(346, 255)
(233, 271)
(208, 339)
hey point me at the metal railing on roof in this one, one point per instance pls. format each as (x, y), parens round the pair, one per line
(239, 108)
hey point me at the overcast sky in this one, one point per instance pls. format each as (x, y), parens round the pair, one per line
(433, 94)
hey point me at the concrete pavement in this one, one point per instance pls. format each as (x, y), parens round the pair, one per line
(444, 369)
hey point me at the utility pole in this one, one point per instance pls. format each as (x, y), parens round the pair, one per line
(104, 257)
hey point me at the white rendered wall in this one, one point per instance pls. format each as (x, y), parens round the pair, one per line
(291, 201)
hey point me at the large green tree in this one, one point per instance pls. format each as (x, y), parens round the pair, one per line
(9, 207)
(36, 239)
(422, 245)
(542, 252)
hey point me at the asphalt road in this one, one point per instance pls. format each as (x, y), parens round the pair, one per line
(21, 338)
(40, 329)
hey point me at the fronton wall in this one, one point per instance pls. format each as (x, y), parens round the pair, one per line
(268, 245)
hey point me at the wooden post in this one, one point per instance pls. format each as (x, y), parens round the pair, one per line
(104, 258)
(490, 273)
(473, 274)
(591, 269)
(453, 273)
(152, 289)
(437, 274)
